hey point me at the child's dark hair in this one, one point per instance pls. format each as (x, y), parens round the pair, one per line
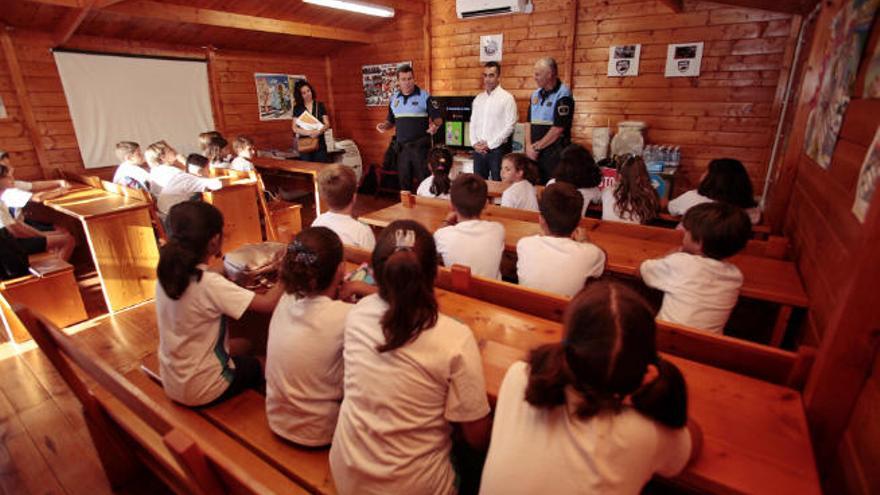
(125, 148)
(561, 206)
(337, 184)
(405, 265)
(206, 137)
(4, 154)
(634, 195)
(194, 224)
(468, 194)
(722, 228)
(609, 343)
(440, 162)
(728, 181)
(214, 150)
(196, 160)
(311, 261)
(523, 163)
(577, 167)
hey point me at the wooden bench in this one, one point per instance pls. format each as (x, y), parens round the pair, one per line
(283, 220)
(237, 200)
(51, 289)
(766, 363)
(133, 426)
(145, 196)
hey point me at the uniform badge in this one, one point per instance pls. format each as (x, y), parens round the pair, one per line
(549, 103)
(435, 104)
(413, 103)
(396, 103)
(563, 110)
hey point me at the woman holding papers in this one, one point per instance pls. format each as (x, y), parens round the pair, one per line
(310, 122)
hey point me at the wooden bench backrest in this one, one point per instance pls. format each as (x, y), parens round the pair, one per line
(740, 356)
(89, 180)
(206, 474)
(130, 192)
(773, 247)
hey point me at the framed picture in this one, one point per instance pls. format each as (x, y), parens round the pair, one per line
(623, 60)
(684, 59)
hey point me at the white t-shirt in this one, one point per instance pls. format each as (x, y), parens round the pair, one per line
(590, 194)
(393, 434)
(159, 177)
(425, 189)
(557, 264)
(537, 450)
(181, 187)
(609, 208)
(129, 170)
(699, 292)
(194, 357)
(683, 203)
(520, 195)
(304, 368)
(349, 230)
(241, 164)
(478, 244)
(5, 217)
(15, 197)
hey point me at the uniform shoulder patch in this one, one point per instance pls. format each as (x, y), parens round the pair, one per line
(435, 104)
(535, 100)
(563, 109)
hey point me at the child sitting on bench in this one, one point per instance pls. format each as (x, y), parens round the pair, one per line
(337, 185)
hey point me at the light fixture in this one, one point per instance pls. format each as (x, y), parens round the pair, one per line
(354, 6)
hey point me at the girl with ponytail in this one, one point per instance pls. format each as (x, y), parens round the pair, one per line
(607, 412)
(192, 304)
(410, 374)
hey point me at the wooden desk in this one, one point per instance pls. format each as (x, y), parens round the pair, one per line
(308, 170)
(766, 279)
(756, 437)
(120, 239)
(237, 200)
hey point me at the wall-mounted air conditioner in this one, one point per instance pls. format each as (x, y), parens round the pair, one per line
(480, 8)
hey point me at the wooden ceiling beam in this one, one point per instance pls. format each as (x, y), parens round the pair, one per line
(674, 5)
(71, 22)
(410, 7)
(800, 7)
(192, 15)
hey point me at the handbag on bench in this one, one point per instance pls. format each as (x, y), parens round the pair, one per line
(255, 266)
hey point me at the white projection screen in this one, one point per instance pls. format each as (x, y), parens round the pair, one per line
(139, 99)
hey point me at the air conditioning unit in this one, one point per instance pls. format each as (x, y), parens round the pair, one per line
(467, 9)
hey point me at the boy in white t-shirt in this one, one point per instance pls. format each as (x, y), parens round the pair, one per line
(700, 288)
(183, 186)
(130, 172)
(244, 153)
(162, 160)
(337, 185)
(467, 240)
(553, 261)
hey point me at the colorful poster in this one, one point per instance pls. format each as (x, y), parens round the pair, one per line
(840, 64)
(623, 60)
(273, 96)
(291, 83)
(684, 59)
(868, 179)
(380, 81)
(453, 134)
(490, 47)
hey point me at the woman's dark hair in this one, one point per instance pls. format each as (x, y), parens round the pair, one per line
(728, 181)
(297, 94)
(523, 163)
(634, 195)
(194, 224)
(440, 162)
(311, 262)
(609, 343)
(405, 265)
(577, 167)
(4, 171)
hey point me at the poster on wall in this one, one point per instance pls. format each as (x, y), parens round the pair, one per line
(380, 81)
(623, 60)
(868, 179)
(490, 47)
(273, 96)
(3, 113)
(684, 59)
(840, 64)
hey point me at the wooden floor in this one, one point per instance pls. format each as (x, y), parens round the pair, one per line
(44, 445)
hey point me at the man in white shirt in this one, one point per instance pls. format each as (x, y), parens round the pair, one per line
(493, 118)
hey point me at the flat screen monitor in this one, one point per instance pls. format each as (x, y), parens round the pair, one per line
(456, 113)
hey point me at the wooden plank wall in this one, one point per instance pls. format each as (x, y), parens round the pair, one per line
(730, 110)
(403, 40)
(826, 237)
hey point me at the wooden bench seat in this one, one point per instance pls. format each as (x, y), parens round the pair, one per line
(133, 424)
(51, 289)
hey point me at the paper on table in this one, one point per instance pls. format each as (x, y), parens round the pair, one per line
(308, 122)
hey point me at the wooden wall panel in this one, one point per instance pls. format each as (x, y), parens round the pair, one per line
(728, 111)
(403, 40)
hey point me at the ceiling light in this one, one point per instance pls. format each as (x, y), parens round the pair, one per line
(353, 6)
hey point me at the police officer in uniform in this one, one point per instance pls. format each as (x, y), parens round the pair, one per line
(551, 108)
(417, 117)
